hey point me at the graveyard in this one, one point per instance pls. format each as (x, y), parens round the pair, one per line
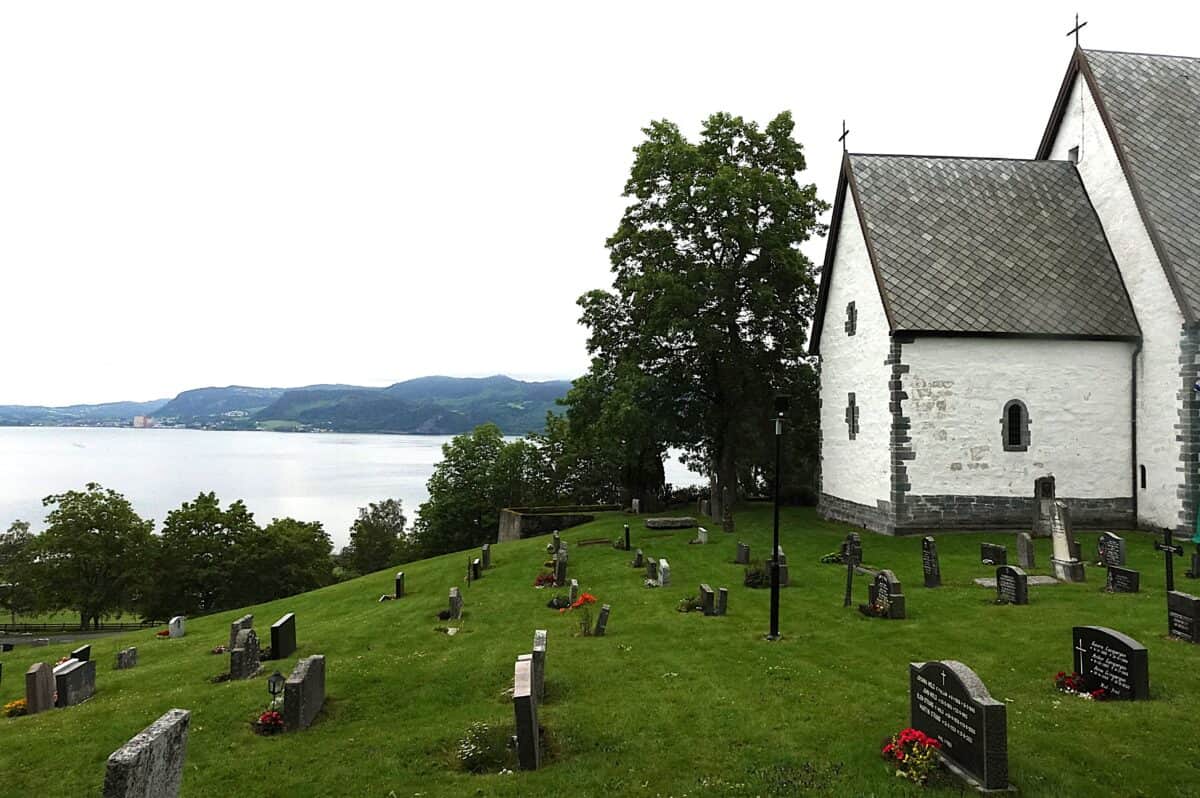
(664, 702)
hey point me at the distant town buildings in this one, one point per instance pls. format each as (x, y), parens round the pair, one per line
(142, 422)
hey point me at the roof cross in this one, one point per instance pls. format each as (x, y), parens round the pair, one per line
(1075, 29)
(842, 138)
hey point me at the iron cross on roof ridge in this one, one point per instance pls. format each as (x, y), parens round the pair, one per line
(1075, 29)
(842, 138)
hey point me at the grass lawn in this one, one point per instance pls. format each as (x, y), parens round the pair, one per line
(665, 704)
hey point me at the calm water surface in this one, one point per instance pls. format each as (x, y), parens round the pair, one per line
(312, 477)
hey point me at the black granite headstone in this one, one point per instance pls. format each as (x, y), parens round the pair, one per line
(627, 537)
(885, 591)
(399, 585)
(1183, 616)
(948, 701)
(1012, 585)
(283, 637)
(1122, 580)
(930, 564)
(1111, 661)
(1111, 549)
(1194, 571)
(991, 554)
(83, 653)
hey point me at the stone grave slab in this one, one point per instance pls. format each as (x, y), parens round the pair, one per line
(885, 591)
(930, 566)
(525, 708)
(39, 688)
(1183, 616)
(743, 554)
(83, 653)
(75, 682)
(722, 600)
(1026, 558)
(670, 523)
(1112, 661)
(245, 659)
(602, 620)
(539, 663)
(993, 554)
(127, 658)
(283, 637)
(304, 693)
(486, 555)
(150, 765)
(245, 622)
(177, 626)
(1122, 580)
(398, 590)
(1110, 549)
(456, 603)
(638, 560)
(1012, 585)
(708, 600)
(664, 572)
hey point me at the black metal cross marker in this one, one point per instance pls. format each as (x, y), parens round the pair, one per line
(1169, 550)
(1075, 29)
(842, 138)
(853, 556)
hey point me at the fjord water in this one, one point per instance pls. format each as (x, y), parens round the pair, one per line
(311, 477)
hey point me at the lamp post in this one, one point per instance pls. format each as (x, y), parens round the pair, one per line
(781, 406)
(275, 686)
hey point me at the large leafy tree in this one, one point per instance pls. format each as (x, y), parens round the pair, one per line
(711, 294)
(18, 590)
(376, 537)
(283, 558)
(95, 554)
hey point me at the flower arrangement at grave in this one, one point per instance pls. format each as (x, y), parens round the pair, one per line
(757, 575)
(219, 649)
(560, 602)
(878, 608)
(583, 604)
(1075, 684)
(543, 579)
(269, 722)
(689, 604)
(163, 633)
(61, 660)
(833, 558)
(15, 709)
(913, 753)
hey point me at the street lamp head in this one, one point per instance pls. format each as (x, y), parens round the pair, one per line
(275, 684)
(781, 404)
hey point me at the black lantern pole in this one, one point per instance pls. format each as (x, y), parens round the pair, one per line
(275, 686)
(781, 406)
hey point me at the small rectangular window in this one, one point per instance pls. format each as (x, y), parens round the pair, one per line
(851, 416)
(1142, 474)
(1073, 154)
(851, 319)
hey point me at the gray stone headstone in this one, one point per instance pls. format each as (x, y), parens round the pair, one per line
(1111, 549)
(245, 658)
(602, 621)
(560, 572)
(83, 653)
(1012, 585)
(525, 710)
(75, 682)
(722, 600)
(1043, 502)
(1066, 562)
(177, 627)
(993, 554)
(704, 508)
(476, 569)
(1194, 571)
(151, 764)
(573, 592)
(708, 600)
(652, 569)
(456, 603)
(399, 588)
(702, 534)
(539, 663)
(127, 658)
(486, 555)
(885, 590)
(557, 542)
(949, 702)
(1183, 616)
(638, 560)
(304, 693)
(39, 688)
(670, 523)
(637, 506)
(743, 554)
(931, 567)
(1111, 661)
(1122, 580)
(664, 572)
(1025, 553)
(245, 622)
(283, 637)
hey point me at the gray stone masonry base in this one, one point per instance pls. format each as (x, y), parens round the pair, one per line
(924, 513)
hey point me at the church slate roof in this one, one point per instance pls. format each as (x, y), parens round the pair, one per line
(1153, 105)
(981, 246)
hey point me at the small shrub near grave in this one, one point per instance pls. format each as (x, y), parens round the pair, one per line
(269, 722)
(689, 604)
(914, 755)
(484, 749)
(559, 602)
(15, 709)
(1075, 684)
(757, 575)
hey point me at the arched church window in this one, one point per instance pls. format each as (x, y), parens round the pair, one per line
(1014, 426)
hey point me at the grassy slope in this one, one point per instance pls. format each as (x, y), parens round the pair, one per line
(666, 704)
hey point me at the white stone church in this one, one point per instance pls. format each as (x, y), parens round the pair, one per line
(984, 322)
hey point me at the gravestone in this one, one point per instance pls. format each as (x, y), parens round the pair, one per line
(304, 693)
(476, 569)
(486, 555)
(992, 554)
(1111, 549)
(557, 542)
(652, 569)
(726, 510)
(1111, 661)
(245, 658)
(283, 637)
(525, 710)
(399, 589)
(40, 641)
(539, 663)
(670, 523)
(1076, 550)
(245, 622)
(852, 555)
(560, 571)
(127, 658)
(886, 592)
(574, 591)
(456, 603)
(664, 572)
(722, 600)
(638, 560)
(948, 702)
(1194, 571)
(83, 653)
(743, 554)
(702, 534)
(75, 682)
(1122, 580)
(1012, 585)
(636, 506)
(39, 688)
(708, 600)
(602, 621)
(1043, 507)
(704, 508)
(1065, 560)
(929, 563)
(176, 626)
(1025, 551)
(1183, 616)
(150, 765)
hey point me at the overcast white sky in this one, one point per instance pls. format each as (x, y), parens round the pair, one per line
(286, 193)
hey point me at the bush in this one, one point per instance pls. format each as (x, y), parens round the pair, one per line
(689, 604)
(484, 749)
(559, 602)
(757, 575)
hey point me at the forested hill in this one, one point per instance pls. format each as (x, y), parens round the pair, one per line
(429, 405)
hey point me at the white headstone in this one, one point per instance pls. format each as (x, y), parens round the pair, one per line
(664, 573)
(176, 626)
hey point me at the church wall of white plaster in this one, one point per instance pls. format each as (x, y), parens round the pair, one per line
(1077, 394)
(856, 470)
(1153, 301)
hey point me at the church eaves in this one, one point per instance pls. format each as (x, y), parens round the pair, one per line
(982, 246)
(1150, 105)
